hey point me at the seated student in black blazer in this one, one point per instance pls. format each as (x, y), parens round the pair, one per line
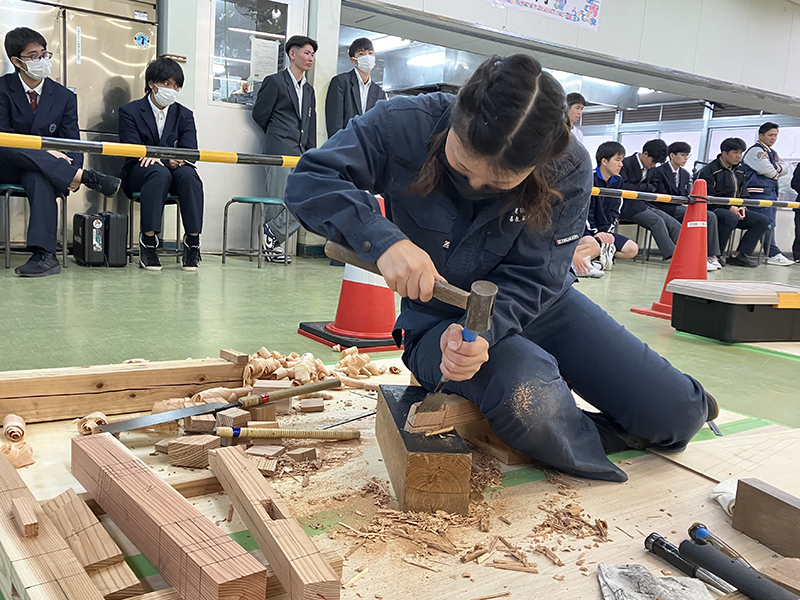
(353, 93)
(31, 103)
(671, 178)
(158, 120)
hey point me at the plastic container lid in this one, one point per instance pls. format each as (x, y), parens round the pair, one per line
(732, 292)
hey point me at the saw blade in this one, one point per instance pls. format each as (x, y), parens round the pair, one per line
(164, 417)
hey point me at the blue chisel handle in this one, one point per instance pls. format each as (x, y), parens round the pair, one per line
(468, 336)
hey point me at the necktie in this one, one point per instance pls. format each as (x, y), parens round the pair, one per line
(676, 178)
(34, 100)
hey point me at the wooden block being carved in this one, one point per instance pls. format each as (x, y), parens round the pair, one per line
(302, 454)
(456, 410)
(298, 564)
(162, 446)
(192, 450)
(233, 417)
(200, 423)
(263, 424)
(189, 551)
(24, 512)
(427, 473)
(264, 412)
(274, 587)
(266, 466)
(41, 567)
(481, 435)
(84, 534)
(266, 451)
(786, 573)
(312, 405)
(234, 356)
(116, 582)
(768, 515)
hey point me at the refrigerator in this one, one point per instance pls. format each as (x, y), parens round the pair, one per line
(101, 49)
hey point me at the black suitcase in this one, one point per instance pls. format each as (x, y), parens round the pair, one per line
(88, 246)
(115, 228)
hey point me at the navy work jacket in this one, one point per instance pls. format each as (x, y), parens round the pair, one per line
(383, 151)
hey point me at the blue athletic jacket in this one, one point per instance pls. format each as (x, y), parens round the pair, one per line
(383, 151)
(604, 210)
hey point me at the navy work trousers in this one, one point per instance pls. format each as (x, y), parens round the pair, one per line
(154, 182)
(522, 388)
(44, 177)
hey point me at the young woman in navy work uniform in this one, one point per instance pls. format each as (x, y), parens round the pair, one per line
(490, 185)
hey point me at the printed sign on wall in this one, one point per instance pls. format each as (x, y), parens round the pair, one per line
(584, 13)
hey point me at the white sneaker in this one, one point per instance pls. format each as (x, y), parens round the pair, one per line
(710, 266)
(715, 261)
(779, 260)
(607, 252)
(594, 272)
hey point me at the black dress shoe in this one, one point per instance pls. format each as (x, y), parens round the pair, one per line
(613, 437)
(41, 264)
(713, 407)
(741, 260)
(107, 185)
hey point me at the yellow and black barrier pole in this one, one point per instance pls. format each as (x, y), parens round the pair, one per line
(667, 199)
(34, 142)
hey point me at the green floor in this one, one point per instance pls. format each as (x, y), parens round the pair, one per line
(98, 316)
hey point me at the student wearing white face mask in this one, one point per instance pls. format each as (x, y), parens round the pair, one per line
(158, 120)
(33, 104)
(353, 93)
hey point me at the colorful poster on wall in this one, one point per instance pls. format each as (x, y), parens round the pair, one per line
(584, 13)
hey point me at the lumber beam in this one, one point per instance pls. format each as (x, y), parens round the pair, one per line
(24, 512)
(455, 410)
(40, 567)
(234, 356)
(768, 515)
(189, 551)
(300, 567)
(72, 392)
(427, 473)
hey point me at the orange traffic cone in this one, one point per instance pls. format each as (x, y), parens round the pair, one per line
(691, 252)
(365, 316)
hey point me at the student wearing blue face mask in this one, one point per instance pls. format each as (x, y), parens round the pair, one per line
(158, 120)
(353, 93)
(491, 185)
(31, 103)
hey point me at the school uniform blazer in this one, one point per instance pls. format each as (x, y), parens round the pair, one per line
(663, 180)
(137, 125)
(631, 174)
(382, 152)
(290, 130)
(343, 101)
(56, 115)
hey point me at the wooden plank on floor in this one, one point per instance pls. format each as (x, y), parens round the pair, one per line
(84, 534)
(187, 549)
(40, 567)
(54, 394)
(301, 568)
(768, 515)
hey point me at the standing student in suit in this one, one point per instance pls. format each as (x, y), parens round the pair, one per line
(671, 178)
(158, 120)
(31, 103)
(575, 104)
(353, 93)
(286, 110)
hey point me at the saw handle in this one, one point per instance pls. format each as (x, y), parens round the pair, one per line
(297, 434)
(253, 400)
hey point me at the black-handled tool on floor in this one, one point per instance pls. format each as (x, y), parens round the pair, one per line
(746, 579)
(700, 534)
(669, 552)
(249, 401)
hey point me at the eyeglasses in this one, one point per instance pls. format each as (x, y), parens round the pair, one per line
(47, 55)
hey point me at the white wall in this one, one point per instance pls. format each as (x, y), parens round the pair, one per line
(747, 42)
